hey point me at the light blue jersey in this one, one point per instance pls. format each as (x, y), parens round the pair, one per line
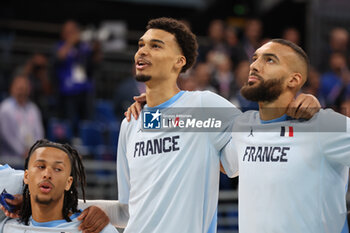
(170, 180)
(293, 174)
(13, 226)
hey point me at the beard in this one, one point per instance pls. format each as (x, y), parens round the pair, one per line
(43, 202)
(143, 78)
(265, 91)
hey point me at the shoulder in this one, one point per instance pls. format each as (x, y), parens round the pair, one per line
(211, 99)
(127, 128)
(248, 118)
(6, 104)
(126, 125)
(330, 121)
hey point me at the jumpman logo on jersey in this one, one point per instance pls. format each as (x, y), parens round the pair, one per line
(251, 132)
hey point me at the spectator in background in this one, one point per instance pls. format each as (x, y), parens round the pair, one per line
(338, 43)
(124, 92)
(37, 70)
(74, 63)
(236, 51)
(313, 85)
(217, 43)
(20, 121)
(223, 76)
(292, 34)
(335, 82)
(345, 110)
(187, 83)
(252, 36)
(202, 76)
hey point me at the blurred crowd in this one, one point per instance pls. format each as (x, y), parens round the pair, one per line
(223, 64)
(62, 86)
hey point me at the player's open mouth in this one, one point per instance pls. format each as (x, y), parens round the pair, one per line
(142, 63)
(45, 187)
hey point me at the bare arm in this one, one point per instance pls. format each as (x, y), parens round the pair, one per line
(117, 212)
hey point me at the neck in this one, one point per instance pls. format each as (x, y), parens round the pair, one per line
(22, 102)
(47, 213)
(275, 109)
(160, 92)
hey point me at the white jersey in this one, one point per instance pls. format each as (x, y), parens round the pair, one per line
(12, 181)
(58, 226)
(170, 180)
(293, 174)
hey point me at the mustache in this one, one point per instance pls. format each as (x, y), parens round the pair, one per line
(46, 181)
(256, 75)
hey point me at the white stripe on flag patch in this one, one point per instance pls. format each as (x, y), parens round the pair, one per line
(287, 131)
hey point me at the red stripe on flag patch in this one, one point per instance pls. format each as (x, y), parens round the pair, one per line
(291, 131)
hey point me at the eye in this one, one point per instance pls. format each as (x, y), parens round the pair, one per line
(58, 169)
(41, 166)
(270, 60)
(254, 59)
(155, 46)
(140, 45)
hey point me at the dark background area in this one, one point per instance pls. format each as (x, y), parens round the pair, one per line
(136, 15)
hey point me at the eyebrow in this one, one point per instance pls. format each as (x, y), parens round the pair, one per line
(153, 40)
(43, 161)
(271, 55)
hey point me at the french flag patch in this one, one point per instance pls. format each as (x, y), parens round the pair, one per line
(287, 131)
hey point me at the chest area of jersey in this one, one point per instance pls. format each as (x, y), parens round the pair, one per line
(142, 147)
(274, 149)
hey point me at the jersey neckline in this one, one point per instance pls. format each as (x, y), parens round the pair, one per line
(168, 102)
(53, 223)
(279, 119)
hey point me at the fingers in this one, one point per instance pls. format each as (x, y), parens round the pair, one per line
(141, 98)
(8, 213)
(305, 106)
(135, 110)
(303, 112)
(136, 107)
(83, 214)
(90, 225)
(11, 202)
(17, 201)
(127, 114)
(94, 220)
(293, 107)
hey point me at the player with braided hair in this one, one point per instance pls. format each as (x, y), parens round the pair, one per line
(70, 202)
(50, 195)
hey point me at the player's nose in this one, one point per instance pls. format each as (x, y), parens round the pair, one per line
(47, 173)
(254, 66)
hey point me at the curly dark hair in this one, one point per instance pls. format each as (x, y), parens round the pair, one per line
(183, 35)
(70, 203)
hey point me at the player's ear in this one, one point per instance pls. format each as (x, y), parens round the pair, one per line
(295, 80)
(69, 183)
(180, 62)
(25, 177)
